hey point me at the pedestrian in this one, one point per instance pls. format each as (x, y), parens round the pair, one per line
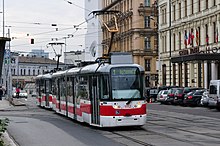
(17, 92)
(1, 92)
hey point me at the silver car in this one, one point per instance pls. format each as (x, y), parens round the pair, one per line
(162, 96)
(205, 99)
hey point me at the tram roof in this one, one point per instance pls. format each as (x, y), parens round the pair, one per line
(59, 73)
(44, 76)
(105, 67)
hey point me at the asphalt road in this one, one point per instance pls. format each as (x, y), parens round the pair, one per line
(166, 125)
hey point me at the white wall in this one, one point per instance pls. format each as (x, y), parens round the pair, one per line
(94, 32)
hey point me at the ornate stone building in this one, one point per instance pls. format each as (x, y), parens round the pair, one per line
(189, 51)
(137, 23)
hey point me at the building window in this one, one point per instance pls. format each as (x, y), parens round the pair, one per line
(207, 36)
(192, 37)
(146, 43)
(174, 12)
(198, 37)
(199, 5)
(147, 81)
(174, 42)
(38, 72)
(29, 72)
(185, 8)
(214, 2)
(192, 7)
(207, 4)
(180, 10)
(164, 74)
(147, 3)
(146, 21)
(215, 36)
(21, 72)
(33, 72)
(165, 43)
(147, 64)
(179, 40)
(174, 74)
(24, 71)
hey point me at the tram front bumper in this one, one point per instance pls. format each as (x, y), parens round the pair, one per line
(116, 121)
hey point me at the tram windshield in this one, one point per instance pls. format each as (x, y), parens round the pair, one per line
(126, 83)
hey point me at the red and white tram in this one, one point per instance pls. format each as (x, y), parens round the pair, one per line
(103, 95)
(43, 88)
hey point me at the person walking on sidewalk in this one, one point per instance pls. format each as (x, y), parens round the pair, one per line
(17, 92)
(1, 92)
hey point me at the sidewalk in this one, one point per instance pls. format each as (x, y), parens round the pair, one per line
(5, 104)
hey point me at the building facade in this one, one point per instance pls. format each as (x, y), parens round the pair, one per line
(137, 24)
(189, 47)
(93, 37)
(75, 57)
(24, 69)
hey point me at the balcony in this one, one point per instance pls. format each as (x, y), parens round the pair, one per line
(149, 10)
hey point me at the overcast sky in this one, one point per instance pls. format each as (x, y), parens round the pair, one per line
(28, 19)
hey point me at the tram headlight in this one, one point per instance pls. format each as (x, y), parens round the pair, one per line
(138, 105)
(116, 106)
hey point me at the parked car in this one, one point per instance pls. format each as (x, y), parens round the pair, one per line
(193, 98)
(22, 94)
(171, 93)
(181, 92)
(162, 96)
(205, 99)
(151, 94)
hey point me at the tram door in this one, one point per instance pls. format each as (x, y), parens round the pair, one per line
(95, 101)
(47, 91)
(58, 94)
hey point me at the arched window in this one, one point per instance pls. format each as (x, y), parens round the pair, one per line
(33, 72)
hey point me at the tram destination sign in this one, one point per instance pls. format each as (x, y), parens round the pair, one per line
(195, 50)
(124, 71)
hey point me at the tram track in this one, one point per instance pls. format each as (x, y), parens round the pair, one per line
(133, 139)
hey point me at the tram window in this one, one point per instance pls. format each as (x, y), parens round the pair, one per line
(94, 81)
(104, 87)
(83, 88)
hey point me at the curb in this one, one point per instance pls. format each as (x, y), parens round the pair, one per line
(16, 102)
(8, 141)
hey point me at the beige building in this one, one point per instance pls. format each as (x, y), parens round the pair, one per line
(189, 46)
(137, 23)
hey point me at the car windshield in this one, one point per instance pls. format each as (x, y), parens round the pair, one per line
(22, 91)
(179, 91)
(165, 92)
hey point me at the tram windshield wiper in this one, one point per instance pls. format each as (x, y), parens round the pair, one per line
(132, 97)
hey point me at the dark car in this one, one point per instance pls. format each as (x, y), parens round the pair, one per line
(180, 93)
(171, 95)
(151, 94)
(193, 98)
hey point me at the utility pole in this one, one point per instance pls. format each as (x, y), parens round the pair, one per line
(3, 17)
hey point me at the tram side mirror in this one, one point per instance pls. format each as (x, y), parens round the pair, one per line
(94, 82)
